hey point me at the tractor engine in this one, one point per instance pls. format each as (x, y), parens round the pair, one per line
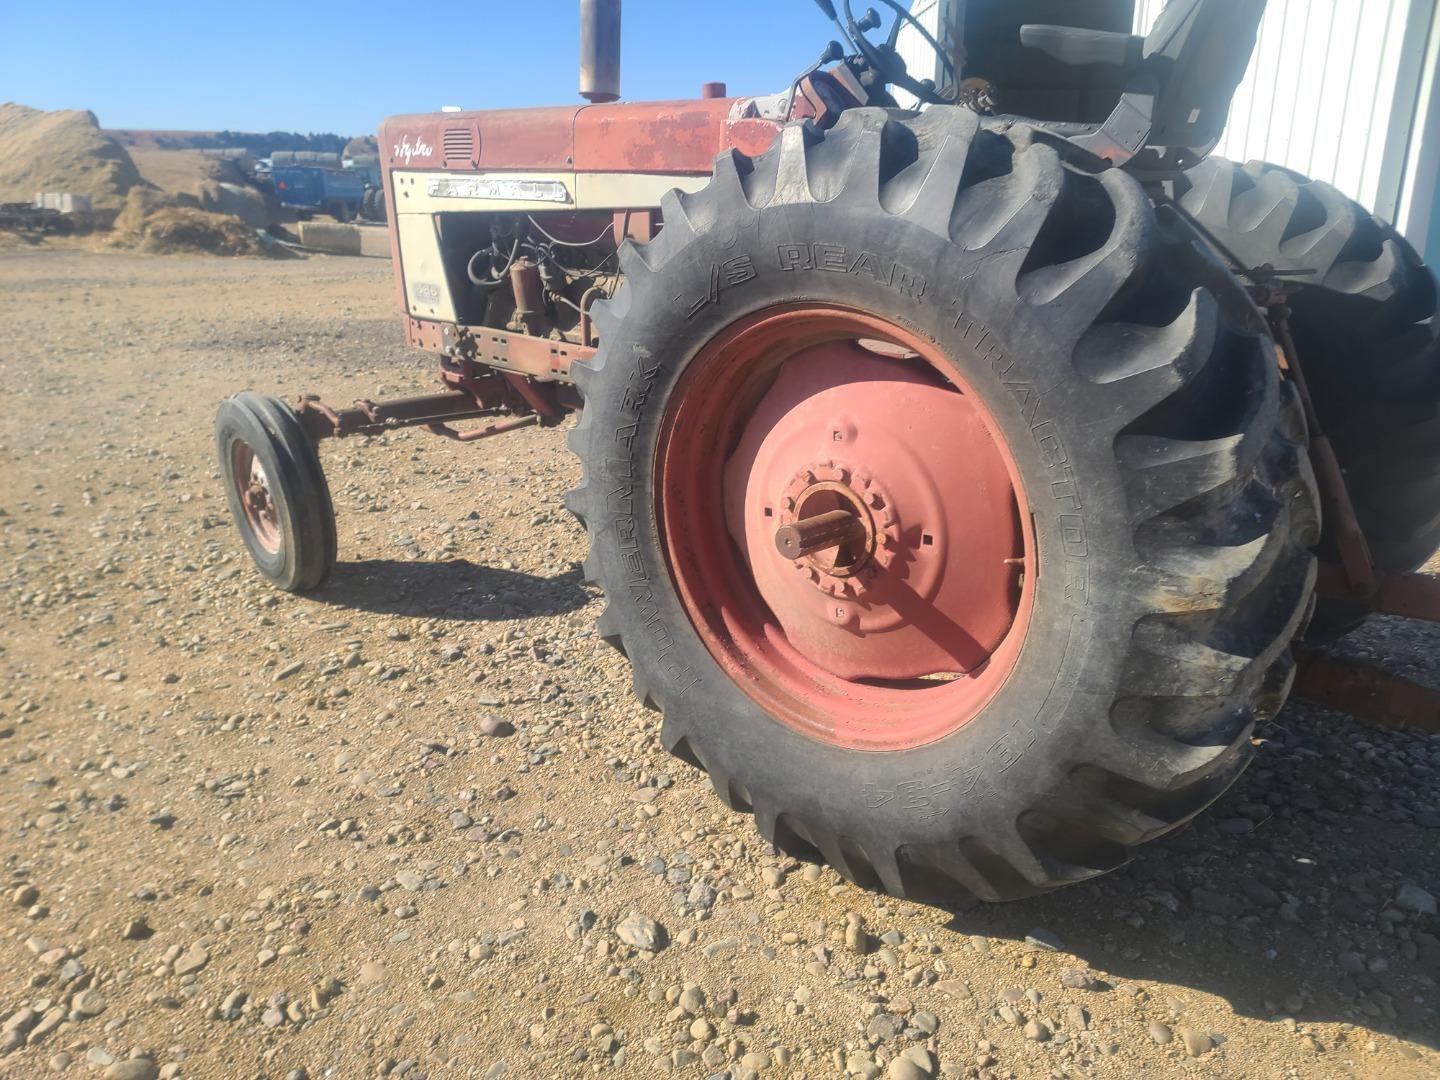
(538, 279)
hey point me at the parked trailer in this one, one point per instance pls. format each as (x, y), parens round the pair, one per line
(51, 212)
(312, 181)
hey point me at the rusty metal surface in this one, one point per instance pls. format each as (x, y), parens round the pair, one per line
(656, 137)
(253, 486)
(1410, 596)
(424, 334)
(587, 302)
(1413, 596)
(1335, 503)
(500, 427)
(321, 421)
(665, 137)
(1365, 691)
(539, 358)
(637, 225)
(834, 528)
(539, 396)
(527, 286)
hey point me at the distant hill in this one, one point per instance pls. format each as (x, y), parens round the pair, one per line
(258, 143)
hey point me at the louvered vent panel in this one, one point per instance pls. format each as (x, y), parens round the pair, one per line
(458, 144)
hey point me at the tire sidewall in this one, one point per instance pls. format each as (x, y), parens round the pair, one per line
(238, 424)
(1059, 433)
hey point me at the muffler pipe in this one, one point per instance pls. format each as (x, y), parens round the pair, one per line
(600, 50)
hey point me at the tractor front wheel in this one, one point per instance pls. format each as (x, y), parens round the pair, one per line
(277, 491)
(956, 526)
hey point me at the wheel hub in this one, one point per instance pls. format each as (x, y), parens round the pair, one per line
(842, 520)
(876, 516)
(255, 497)
(842, 524)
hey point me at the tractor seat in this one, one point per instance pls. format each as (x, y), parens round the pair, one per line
(1179, 79)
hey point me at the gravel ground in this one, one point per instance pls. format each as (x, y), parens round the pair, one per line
(414, 824)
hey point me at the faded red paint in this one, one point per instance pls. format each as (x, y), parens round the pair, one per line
(675, 137)
(530, 139)
(1365, 691)
(420, 333)
(655, 137)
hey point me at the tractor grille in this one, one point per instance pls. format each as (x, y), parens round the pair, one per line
(458, 144)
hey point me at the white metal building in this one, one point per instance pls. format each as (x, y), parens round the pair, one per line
(1341, 90)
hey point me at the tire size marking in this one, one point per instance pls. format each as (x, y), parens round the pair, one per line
(620, 477)
(838, 260)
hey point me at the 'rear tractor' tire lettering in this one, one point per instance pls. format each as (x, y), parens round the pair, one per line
(1063, 486)
(1363, 316)
(277, 492)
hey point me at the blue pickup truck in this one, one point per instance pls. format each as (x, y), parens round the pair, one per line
(311, 182)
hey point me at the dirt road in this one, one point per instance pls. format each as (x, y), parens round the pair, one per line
(414, 825)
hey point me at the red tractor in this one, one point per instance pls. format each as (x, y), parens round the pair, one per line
(951, 475)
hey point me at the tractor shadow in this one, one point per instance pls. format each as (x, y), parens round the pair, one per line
(456, 589)
(1293, 918)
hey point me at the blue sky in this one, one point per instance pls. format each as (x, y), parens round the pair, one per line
(321, 67)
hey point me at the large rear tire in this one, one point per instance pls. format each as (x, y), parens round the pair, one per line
(1064, 362)
(1363, 319)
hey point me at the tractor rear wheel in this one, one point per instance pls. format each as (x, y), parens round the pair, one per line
(957, 529)
(1363, 316)
(277, 491)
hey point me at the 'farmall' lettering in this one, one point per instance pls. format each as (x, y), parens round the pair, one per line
(838, 260)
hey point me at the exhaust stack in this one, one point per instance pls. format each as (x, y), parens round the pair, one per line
(600, 50)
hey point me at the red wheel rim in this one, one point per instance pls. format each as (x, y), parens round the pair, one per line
(903, 631)
(256, 500)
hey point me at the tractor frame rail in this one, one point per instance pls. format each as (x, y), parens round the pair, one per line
(477, 391)
(1365, 690)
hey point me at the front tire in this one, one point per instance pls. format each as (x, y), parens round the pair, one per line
(1164, 501)
(276, 489)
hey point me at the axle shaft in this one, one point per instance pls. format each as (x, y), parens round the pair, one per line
(827, 530)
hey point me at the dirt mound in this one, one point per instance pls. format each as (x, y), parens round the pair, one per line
(207, 181)
(183, 171)
(61, 151)
(155, 223)
(239, 201)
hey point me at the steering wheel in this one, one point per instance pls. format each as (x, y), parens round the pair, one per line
(886, 60)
